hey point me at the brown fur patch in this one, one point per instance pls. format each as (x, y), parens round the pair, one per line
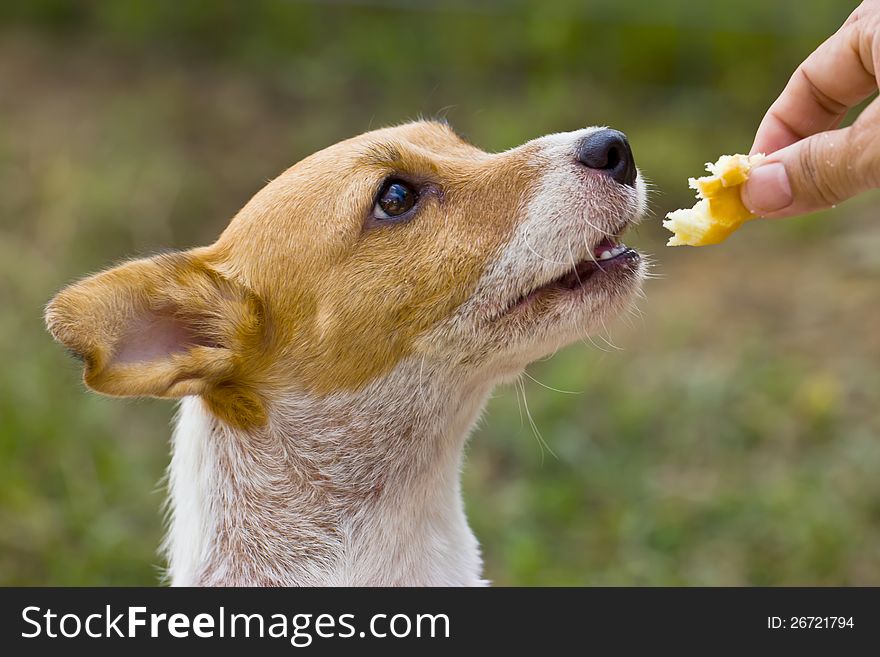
(218, 326)
(348, 301)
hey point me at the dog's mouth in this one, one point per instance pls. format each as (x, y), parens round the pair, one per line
(608, 256)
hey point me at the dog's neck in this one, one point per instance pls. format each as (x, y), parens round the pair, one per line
(348, 489)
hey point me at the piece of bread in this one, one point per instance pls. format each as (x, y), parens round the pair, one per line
(719, 211)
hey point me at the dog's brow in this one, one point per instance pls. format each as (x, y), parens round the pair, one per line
(394, 158)
(384, 155)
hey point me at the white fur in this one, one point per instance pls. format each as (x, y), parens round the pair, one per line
(190, 482)
(397, 514)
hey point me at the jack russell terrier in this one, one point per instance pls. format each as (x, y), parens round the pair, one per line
(334, 347)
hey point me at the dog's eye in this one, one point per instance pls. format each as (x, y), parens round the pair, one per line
(395, 199)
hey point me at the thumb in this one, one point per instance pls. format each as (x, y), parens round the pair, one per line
(813, 173)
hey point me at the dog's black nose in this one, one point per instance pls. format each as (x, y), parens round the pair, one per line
(608, 150)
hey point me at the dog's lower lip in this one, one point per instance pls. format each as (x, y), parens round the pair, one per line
(577, 277)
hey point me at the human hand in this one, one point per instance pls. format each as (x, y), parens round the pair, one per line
(811, 164)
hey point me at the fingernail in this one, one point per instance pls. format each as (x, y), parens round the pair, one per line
(767, 189)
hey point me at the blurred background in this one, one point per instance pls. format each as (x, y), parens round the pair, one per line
(727, 434)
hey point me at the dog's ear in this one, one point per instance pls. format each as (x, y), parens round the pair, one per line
(167, 326)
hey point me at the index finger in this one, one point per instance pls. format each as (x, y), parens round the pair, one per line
(836, 76)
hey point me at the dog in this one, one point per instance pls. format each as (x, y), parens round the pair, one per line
(335, 346)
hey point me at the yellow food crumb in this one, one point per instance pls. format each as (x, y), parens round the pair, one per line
(719, 210)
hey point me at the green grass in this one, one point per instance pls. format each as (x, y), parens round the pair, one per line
(732, 439)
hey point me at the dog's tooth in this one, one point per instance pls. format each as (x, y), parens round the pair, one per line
(605, 255)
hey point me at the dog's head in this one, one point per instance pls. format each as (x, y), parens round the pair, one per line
(402, 242)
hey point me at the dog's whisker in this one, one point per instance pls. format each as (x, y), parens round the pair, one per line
(599, 347)
(635, 312)
(544, 385)
(519, 407)
(540, 438)
(607, 337)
